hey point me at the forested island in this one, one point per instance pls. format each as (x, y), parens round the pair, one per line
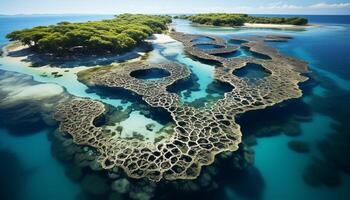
(117, 35)
(229, 19)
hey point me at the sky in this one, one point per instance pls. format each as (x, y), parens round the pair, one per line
(174, 6)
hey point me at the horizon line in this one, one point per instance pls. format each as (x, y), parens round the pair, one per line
(28, 14)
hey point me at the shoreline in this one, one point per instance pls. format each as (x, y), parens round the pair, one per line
(278, 26)
(22, 53)
(138, 53)
(261, 26)
(48, 69)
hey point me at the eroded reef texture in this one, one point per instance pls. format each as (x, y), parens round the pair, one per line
(200, 133)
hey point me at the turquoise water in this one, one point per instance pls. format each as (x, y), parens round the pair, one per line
(251, 71)
(314, 116)
(207, 46)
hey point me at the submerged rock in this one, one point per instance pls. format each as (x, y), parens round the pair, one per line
(150, 126)
(335, 148)
(94, 184)
(121, 185)
(320, 172)
(13, 175)
(74, 172)
(143, 191)
(250, 140)
(299, 146)
(292, 129)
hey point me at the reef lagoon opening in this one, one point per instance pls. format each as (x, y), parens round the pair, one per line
(219, 88)
(136, 121)
(252, 71)
(133, 118)
(150, 74)
(185, 85)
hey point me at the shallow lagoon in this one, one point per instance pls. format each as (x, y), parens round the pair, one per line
(280, 167)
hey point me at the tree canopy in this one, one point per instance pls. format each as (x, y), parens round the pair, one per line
(116, 35)
(229, 19)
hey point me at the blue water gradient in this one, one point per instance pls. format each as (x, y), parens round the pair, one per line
(325, 48)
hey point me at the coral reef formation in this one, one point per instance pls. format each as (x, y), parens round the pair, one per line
(81, 164)
(199, 134)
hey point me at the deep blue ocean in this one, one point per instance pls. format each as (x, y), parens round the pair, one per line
(321, 118)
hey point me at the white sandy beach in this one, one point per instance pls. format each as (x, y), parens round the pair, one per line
(274, 26)
(161, 39)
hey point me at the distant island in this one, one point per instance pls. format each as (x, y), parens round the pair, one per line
(229, 19)
(117, 35)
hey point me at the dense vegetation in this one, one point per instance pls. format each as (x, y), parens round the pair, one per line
(226, 19)
(116, 35)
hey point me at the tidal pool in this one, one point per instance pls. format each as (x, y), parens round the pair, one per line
(150, 74)
(251, 71)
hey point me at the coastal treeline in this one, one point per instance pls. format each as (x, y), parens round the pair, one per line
(116, 35)
(229, 19)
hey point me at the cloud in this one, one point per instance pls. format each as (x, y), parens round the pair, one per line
(317, 8)
(332, 5)
(282, 5)
(279, 5)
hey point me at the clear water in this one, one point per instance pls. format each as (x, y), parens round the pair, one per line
(251, 71)
(243, 52)
(326, 98)
(207, 46)
(202, 40)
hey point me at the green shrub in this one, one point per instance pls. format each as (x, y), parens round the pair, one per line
(228, 19)
(95, 37)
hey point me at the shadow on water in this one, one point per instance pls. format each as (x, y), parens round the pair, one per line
(252, 71)
(202, 39)
(22, 119)
(326, 168)
(283, 117)
(39, 60)
(186, 84)
(231, 174)
(207, 46)
(150, 74)
(247, 184)
(204, 61)
(250, 53)
(219, 88)
(12, 176)
(334, 160)
(235, 54)
(236, 41)
(115, 93)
